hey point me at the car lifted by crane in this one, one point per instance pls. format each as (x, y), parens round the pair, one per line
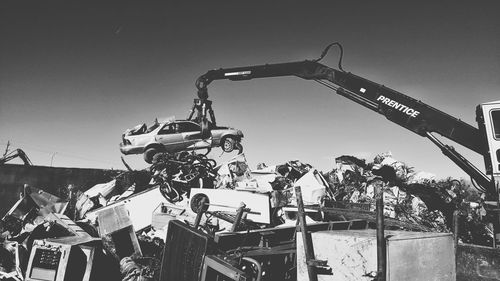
(412, 114)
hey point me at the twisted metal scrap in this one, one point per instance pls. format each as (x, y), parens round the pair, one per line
(178, 173)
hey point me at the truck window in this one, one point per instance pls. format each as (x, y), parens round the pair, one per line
(495, 119)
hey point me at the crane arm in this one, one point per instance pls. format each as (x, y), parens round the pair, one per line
(16, 153)
(397, 107)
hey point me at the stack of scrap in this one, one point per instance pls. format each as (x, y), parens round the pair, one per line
(264, 191)
(409, 196)
(124, 223)
(29, 211)
(40, 222)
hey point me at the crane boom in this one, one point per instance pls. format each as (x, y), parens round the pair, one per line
(16, 153)
(397, 107)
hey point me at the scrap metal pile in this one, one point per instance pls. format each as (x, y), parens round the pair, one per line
(410, 196)
(123, 226)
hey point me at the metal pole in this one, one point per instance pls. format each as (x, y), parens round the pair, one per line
(456, 227)
(239, 214)
(495, 235)
(72, 203)
(26, 190)
(381, 247)
(308, 246)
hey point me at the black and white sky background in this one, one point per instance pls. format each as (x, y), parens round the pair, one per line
(75, 74)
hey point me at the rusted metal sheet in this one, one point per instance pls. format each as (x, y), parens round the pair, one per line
(477, 263)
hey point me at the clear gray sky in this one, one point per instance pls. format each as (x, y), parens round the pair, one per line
(75, 75)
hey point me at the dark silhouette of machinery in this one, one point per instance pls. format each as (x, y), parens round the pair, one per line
(13, 154)
(202, 105)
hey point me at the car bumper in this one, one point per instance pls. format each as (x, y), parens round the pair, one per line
(130, 149)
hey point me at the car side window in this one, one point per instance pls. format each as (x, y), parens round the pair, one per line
(495, 119)
(167, 129)
(188, 127)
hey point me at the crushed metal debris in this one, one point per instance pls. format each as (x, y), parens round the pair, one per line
(122, 228)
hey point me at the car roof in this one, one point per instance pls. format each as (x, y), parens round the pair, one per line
(181, 120)
(190, 121)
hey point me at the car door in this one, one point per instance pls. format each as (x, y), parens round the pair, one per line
(191, 134)
(171, 139)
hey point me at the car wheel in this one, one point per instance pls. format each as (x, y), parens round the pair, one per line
(149, 154)
(228, 144)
